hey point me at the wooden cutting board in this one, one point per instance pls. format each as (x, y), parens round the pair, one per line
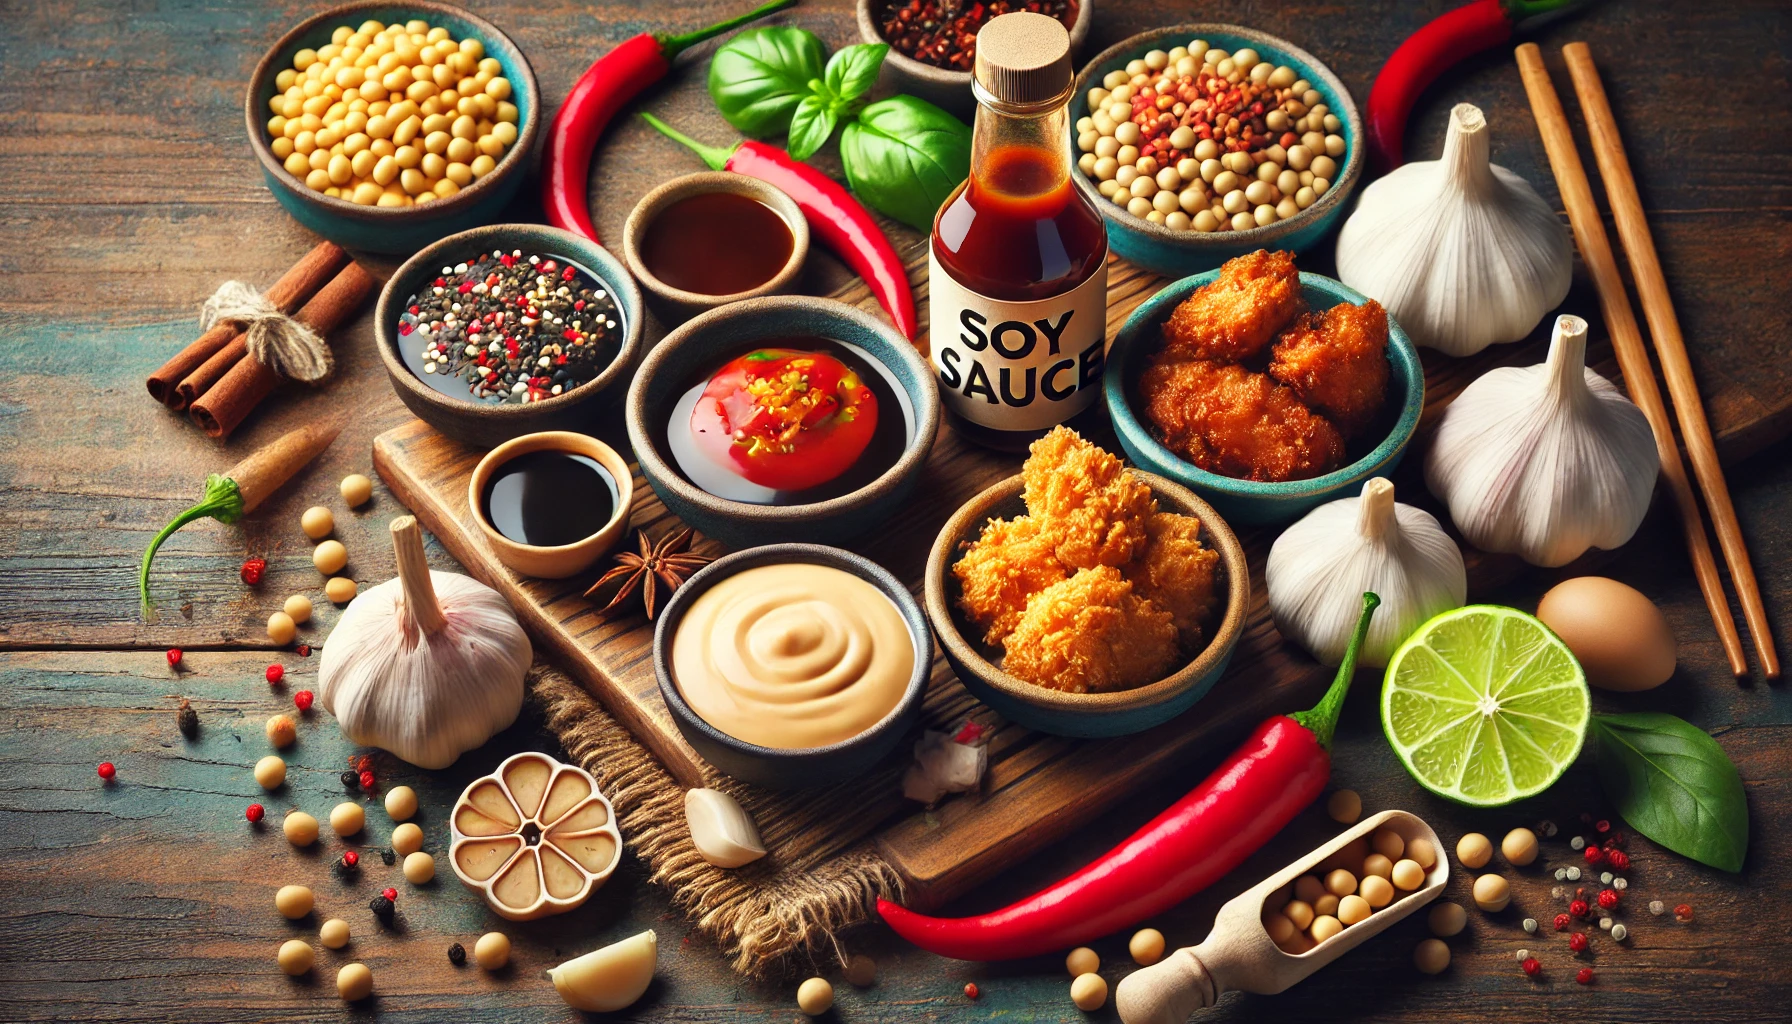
(1039, 788)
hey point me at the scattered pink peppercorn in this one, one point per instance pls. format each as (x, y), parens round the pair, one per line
(107, 771)
(1683, 913)
(1615, 841)
(1579, 908)
(1602, 826)
(1584, 976)
(302, 700)
(1578, 942)
(367, 780)
(1594, 855)
(276, 673)
(1562, 922)
(252, 570)
(970, 990)
(304, 650)
(1608, 898)
(1532, 967)
(254, 813)
(174, 656)
(390, 893)
(350, 858)
(1619, 860)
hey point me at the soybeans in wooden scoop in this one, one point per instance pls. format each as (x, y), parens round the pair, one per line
(1239, 955)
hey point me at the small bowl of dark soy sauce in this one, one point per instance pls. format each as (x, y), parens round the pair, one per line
(550, 504)
(711, 238)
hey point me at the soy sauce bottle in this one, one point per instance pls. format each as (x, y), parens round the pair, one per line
(1018, 267)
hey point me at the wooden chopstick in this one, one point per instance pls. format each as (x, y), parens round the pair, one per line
(1670, 345)
(1627, 341)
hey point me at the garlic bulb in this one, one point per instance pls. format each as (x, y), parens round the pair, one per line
(1544, 461)
(1320, 567)
(1462, 253)
(428, 665)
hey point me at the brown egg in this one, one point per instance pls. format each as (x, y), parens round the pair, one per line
(1621, 638)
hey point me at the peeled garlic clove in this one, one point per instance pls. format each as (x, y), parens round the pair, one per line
(608, 979)
(1462, 253)
(721, 829)
(1319, 566)
(1544, 461)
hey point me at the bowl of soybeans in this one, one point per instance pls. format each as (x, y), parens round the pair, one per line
(1203, 142)
(385, 127)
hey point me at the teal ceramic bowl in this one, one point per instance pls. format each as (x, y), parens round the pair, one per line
(396, 229)
(1080, 714)
(702, 345)
(1251, 501)
(1176, 253)
(483, 424)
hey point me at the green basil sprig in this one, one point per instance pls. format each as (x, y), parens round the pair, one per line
(1674, 784)
(904, 157)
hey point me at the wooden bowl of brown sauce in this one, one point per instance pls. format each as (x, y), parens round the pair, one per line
(711, 238)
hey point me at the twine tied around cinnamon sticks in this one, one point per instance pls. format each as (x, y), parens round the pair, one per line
(253, 341)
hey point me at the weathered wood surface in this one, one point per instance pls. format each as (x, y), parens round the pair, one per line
(128, 194)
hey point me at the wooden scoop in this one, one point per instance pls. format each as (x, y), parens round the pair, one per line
(1238, 954)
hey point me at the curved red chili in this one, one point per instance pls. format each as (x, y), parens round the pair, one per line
(841, 222)
(1440, 45)
(1275, 773)
(616, 78)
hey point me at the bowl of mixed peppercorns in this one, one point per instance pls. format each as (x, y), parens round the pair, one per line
(933, 43)
(1200, 143)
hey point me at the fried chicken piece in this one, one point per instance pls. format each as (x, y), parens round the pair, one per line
(1240, 424)
(1091, 634)
(1234, 318)
(1010, 562)
(1086, 500)
(1337, 362)
(1176, 574)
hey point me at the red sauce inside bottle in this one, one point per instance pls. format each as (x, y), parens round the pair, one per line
(1018, 230)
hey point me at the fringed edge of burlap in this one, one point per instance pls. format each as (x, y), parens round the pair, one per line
(759, 918)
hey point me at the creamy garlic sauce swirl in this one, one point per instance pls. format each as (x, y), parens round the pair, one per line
(792, 656)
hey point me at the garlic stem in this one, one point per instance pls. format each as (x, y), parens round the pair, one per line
(1375, 515)
(420, 604)
(1467, 151)
(1567, 360)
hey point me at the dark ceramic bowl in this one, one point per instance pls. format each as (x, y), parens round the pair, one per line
(950, 90)
(1119, 713)
(1175, 253)
(480, 424)
(802, 768)
(396, 229)
(703, 344)
(1253, 501)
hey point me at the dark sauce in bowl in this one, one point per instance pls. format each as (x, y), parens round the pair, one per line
(894, 434)
(716, 243)
(550, 498)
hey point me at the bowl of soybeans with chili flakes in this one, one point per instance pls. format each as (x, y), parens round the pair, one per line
(1203, 142)
(384, 127)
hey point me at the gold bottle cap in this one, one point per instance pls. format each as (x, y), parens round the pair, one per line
(1024, 58)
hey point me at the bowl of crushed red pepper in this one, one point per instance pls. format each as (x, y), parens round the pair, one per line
(507, 330)
(933, 43)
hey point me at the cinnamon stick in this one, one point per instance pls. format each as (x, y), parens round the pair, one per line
(211, 371)
(294, 289)
(240, 390)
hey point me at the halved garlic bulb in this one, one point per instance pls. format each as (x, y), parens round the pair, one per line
(534, 837)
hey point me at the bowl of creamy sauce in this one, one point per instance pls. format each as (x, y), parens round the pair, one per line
(793, 665)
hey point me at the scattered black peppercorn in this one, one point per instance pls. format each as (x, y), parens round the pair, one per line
(389, 857)
(457, 954)
(382, 908)
(351, 780)
(186, 719)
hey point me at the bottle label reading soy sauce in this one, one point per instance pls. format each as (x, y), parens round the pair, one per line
(1017, 365)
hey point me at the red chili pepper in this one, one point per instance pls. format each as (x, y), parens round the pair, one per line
(833, 214)
(1267, 780)
(616, 78)
(1441, 44)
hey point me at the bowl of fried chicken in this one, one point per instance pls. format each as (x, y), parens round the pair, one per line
(1085, 598)
(1265, 390)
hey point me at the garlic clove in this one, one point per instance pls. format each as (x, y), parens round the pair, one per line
(1462, 253)
(588, 815)
(520, 884)
(561, 877)
(569, 788)
(608, 979)
(721, 829)
(595, 851)
(527, 782)
(481, 859)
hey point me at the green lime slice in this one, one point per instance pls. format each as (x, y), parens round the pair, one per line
(1485, 706)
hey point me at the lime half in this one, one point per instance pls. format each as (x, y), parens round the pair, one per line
(1485, 705)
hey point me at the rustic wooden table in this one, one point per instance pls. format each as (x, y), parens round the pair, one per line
(131, 194)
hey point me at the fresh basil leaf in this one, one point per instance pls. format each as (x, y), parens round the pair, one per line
(1674, 784)
(810, 126)
(758, 78)
(904, 157)
(852, 71)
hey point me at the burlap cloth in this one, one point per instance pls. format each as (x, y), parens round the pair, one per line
(822, 877)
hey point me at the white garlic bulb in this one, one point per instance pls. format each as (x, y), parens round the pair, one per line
(1462, 253)
(1320, 567)
(1544, 461)
(428, 665)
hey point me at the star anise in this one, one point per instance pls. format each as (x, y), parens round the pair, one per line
(658, 568)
